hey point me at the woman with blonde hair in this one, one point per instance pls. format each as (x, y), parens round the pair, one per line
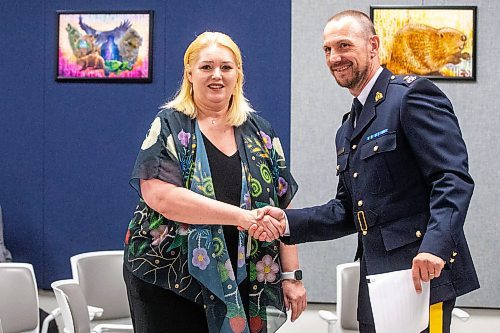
(207, 163)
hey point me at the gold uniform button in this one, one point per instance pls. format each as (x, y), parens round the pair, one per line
(393, 77)
(212, 297)
(354, 147)
(338, 167)
(454, 254)
(144, 232)
(418, 234)
(355, 175)
(360, 203)
(452, 260)
(375, 148)
(157, 261)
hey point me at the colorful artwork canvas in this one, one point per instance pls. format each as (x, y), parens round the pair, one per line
(104, 46)
(437, 42)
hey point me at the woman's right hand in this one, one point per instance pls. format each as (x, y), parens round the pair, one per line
(261, 226)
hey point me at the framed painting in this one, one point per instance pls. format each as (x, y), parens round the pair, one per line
(434, 42)
(110, 46)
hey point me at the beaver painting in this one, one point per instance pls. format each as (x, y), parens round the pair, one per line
(424, 50)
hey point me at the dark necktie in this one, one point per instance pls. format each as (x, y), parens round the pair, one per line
(356, 111)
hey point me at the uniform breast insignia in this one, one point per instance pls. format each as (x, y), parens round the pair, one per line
(378, 134)
(378, 96)
(409, 78)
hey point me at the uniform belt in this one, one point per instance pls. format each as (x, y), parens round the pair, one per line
(365, 219)
(363, 226)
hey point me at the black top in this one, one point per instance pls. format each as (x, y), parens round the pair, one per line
(226, 173)
(226, 179)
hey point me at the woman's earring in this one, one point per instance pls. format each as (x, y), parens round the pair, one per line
(191, 89)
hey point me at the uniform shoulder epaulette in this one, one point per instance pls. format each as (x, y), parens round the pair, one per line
(405, 80)
(345, 117)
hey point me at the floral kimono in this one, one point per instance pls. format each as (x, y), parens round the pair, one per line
(192, 260)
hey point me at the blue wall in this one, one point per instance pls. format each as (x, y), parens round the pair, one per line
(68, 148)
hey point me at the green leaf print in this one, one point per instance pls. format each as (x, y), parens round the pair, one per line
(253, 271)
(222, 272)
(271, 295)
(234, 311)
(176, 243)
(156, 222)
(142, 248)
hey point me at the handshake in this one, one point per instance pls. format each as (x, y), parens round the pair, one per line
(265, 224)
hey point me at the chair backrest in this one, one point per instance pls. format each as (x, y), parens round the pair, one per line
(100, 275)
(347, 295)
(4, 253)
(72, 305)
(18, 298)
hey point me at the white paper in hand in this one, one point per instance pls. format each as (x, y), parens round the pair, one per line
(396, 306)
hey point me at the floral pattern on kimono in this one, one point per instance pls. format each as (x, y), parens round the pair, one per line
(192, 260)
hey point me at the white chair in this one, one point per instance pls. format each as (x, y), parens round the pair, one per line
(19, 307)
(75, 312)
(100, 276)
(345, 318)
(5, 255)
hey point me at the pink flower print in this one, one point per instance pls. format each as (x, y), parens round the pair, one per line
(159, 234)
(184, 138)
(266, 269)
(241, 256)
(282, 186)
(183, 229)
(267, 140)
(229, 268)
(200, 258)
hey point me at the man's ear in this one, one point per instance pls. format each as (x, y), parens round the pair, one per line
(375, 45)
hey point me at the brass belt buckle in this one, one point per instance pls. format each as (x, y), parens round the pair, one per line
(362, 222)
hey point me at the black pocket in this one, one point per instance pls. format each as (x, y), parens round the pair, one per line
(378, 146)
(342, 161)
(373, 155)
(404, 231)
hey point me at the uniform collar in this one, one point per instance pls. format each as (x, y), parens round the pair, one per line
(376, 94)
(366, 90)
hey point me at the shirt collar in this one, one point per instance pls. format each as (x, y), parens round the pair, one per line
(366, 90)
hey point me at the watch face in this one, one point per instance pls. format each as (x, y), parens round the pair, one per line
(298, 274)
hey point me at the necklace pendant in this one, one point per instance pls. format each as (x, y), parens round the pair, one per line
(213, 121)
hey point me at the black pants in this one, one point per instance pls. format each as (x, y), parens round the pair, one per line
(439, 319)
(157, 310)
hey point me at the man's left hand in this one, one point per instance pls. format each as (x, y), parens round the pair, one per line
(295, 297)
(425, 267)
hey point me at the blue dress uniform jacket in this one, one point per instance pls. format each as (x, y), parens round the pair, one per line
(404, 187)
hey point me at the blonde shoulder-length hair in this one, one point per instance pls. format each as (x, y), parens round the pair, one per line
(239, 107)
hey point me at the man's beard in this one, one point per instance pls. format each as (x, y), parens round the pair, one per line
(357, 78)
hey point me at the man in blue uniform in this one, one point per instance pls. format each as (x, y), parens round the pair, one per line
(404, 185)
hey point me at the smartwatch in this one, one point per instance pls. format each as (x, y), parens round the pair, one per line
(294, 275)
